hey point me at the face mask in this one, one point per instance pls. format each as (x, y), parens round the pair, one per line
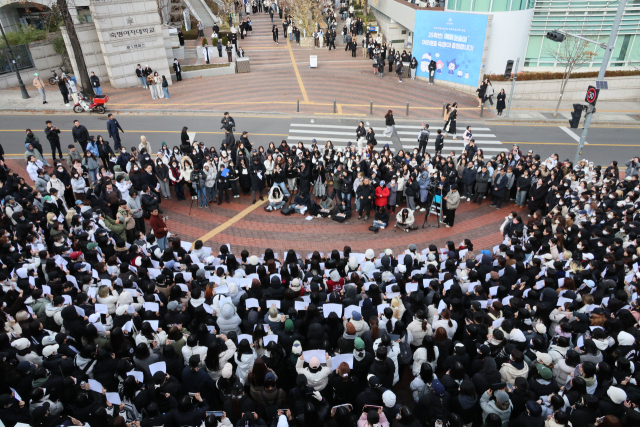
(60, 169)
(175, 151)
(75, 176)
(135, 168)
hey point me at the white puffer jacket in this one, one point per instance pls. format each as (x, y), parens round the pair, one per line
(317, 380)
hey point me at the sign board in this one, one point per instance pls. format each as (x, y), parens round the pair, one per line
(313, 61)
(592, 95)
(454, 40)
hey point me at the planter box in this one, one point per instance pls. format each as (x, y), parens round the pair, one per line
(306, 41)
(208, 72)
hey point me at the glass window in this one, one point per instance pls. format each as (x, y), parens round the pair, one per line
(481, 5)
(547, 53)
(464, 5)
(500, 5)
(634, 55)
(533, 48)
(621, 50)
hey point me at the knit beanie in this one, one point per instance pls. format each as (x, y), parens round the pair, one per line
(617, 395)
(297, 347)
(389, 398)
(288, 325)
(227, 371)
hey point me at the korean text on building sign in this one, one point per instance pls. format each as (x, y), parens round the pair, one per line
(445, 36)
(139, 31)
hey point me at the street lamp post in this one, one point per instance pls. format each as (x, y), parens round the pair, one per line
(23, 89)
(603, 68)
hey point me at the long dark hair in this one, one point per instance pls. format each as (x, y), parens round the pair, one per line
(389, 113)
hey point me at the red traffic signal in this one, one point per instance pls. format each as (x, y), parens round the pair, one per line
(592, 95)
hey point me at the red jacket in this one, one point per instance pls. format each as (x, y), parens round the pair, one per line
(381, 196)
(157, 224)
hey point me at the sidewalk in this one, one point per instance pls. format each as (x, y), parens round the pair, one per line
(607, 112)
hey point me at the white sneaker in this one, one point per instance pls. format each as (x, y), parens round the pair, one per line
(67, 105)
(448, 226)
(462, 198)
(422, 209)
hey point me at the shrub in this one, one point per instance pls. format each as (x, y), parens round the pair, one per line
(214, 42)
(528, 76)
(204, 41)
(25, 35)
(225, 40)
(191, 34)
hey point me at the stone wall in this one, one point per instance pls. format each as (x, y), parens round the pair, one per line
(130, 32)
(44, 58)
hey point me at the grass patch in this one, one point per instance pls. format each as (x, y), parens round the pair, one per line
(202, 67)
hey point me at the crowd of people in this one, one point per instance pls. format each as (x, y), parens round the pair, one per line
(111, 320)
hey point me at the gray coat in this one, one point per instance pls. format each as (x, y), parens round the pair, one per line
(136, 206)
(41, 183)
(482, 182)
(393, 192)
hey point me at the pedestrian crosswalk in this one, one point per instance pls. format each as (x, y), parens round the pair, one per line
(339, 135)
(485, 140)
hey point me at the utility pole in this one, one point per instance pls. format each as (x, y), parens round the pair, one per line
(603, 68)
(23, 90)
(513, 86)
(77, 49)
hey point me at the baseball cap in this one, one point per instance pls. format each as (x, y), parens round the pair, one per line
(358, 344)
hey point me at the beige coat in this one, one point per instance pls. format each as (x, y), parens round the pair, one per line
(38, 83)
(509, 373)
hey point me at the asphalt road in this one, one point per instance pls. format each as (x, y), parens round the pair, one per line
(604, 143)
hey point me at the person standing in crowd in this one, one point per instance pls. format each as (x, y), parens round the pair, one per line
(114, 129)
(390, 123)
(200, 30)
(452, 202)
(274, 31)
(39, 84)
(53, 136)
(177, 69)
(64, 91)
(95, 83)
(140, 74)
(80, 135)
(414, 67)
(165, 87)
(501, 102)
(451, 116)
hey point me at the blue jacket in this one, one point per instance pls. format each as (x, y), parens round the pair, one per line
(92, 146)
(500, 184)
(469, 176)
(112, 128)
(302, 201)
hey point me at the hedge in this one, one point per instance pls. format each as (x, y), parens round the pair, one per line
(557, 76)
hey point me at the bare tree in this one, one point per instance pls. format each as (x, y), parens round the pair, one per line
(306, 13)
(570, 54)
(75, 45)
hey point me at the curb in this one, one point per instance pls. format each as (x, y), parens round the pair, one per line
(497, 121)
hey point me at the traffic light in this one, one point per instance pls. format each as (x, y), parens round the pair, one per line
(508, 70)
(575, 116)
(555, 36)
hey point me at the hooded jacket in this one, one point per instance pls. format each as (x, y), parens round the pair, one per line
(487, 375)
(488, 406)
(228, 321)
(509, 372)
(318, 379)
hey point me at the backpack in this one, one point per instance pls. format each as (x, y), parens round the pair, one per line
(405, 357)
(424, 136)
(424, 391)
(438, 412)
(287, 210)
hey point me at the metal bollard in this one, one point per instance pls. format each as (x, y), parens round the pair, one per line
(444, 107)
(298, 109)
(335, 108)
(371, 107)
(407, 108)
(481, 109)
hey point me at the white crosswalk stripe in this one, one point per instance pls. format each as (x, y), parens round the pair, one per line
(484, 140)
(337, 134)
(340, 135)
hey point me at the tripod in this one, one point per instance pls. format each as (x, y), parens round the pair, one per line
(426, 216)
(196, 196)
